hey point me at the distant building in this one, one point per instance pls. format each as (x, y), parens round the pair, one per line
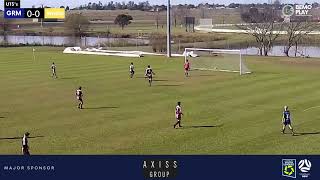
(220, 7)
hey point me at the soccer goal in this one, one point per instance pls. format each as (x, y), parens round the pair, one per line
(216, 60)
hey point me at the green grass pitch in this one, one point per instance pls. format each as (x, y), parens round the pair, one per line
(223, 112)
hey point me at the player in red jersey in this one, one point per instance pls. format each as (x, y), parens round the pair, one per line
(186, 68)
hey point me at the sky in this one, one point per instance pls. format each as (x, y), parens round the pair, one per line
(74, 3)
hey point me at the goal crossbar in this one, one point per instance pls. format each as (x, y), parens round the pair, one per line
(214, 50)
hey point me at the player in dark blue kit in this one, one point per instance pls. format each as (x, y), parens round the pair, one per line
(286, 120)
(149, 74)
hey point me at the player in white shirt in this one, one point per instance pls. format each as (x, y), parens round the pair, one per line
(79, 96)
(178, 115)
(25, 146)
(54, 72)
(131, 70)
(149, 73)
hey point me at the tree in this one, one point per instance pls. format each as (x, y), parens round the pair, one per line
(123, 20)
(158, 42)
(157, 17)
(263, 28)
(202, 9)
(50, 31)
(297, 31)
(76, 24)
(181, 12)
(174, 15)
(5, 28)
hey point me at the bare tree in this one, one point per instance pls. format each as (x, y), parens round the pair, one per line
(264, 27)
(157, 17)
(175, 15)
(181, 12)
(273, 33)
(158, 42)
(295, 32)
(202, 9)
(5, 27)
(50, 32)
(76, 25)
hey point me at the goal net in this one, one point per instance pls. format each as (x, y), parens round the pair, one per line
(216, 60)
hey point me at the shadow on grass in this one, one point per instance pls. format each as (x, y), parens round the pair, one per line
(11, 138)
(105, 107)
(306, 133)
(1, 117)
(68, 78)
(168, 85)
(202, 126)
(160, 80)
(207, 75)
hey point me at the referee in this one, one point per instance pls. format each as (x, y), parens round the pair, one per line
(25, 147)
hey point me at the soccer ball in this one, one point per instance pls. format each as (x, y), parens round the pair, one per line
(304, 165)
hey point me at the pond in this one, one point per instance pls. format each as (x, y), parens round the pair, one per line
(303, 51)
(63, 40)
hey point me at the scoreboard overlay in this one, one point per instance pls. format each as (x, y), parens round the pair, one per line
(12, 10)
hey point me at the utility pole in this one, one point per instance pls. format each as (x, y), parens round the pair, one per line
(168, 30)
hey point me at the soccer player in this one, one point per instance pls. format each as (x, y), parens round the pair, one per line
(286, 120)
(149, 74)
(54, 72)
(25, 146)
(178, 114)
(186, 68)
(79, 96)
(131, 70)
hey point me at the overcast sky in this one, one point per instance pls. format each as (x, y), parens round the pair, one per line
(74, 3)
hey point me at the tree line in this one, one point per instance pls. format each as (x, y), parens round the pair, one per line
(267, 27)
(146, 6)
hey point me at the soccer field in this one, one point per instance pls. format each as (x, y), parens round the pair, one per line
(224, 113)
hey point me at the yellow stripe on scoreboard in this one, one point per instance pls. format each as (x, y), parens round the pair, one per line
(54, 13)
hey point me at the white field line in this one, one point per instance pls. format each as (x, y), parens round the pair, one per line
(311, 108)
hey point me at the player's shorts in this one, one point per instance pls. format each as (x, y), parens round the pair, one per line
(131, 72)
(287, 122)
(149, 76)
(79, 98)
(178, 117)
(25, 150)
(186, 69)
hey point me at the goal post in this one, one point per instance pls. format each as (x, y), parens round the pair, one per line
(224, 60)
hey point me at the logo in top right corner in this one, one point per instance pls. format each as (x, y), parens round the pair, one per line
(305, 168)
(297, 10)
